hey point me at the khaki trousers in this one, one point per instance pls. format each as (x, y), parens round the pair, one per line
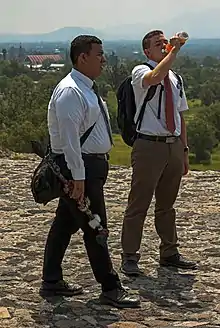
(157, 168)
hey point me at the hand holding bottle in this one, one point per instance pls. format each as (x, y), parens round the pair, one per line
(176, 41)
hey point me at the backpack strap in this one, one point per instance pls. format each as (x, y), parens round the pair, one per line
(86, 134)
(149, 96)
(179, 83)
(82, 139)
(160, 100)
(151, 93)
(179, 79)
(150, 66)
(160, 94)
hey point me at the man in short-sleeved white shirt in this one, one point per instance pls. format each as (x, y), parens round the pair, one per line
(75, 109)
(159, 156)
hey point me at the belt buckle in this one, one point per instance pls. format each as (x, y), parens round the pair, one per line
(170, 139)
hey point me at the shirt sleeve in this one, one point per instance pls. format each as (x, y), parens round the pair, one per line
(183, 104)
(70, 111)
(138, 74)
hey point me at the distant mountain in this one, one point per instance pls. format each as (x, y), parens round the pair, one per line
(63, 35)
(199, 24)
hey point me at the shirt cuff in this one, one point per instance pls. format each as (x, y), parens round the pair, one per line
(78, 174)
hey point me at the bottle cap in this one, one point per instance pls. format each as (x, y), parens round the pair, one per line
(183, 35)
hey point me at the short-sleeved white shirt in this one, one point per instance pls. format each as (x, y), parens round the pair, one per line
(151, 124)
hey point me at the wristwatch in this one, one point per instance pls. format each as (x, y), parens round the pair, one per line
(186, 149)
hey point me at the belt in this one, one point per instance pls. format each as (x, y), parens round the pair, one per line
(166, 139)
(95, 155)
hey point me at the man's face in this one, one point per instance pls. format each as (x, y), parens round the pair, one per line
(157, 44)
(95, 61)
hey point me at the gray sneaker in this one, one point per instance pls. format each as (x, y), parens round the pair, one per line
(129, 265)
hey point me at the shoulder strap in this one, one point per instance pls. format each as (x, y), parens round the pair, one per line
(82, 139)
(151, 67)
(177, 76)
(86, 134)
(149, 96)
(180, 83)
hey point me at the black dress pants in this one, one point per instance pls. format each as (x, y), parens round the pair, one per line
(69, 220)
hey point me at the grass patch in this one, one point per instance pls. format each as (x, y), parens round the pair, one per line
(19, 156)
(120, 155)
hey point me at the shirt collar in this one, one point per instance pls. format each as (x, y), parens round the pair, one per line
(152, 63)
(83, 78)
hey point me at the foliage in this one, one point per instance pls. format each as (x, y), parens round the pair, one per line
(201, 137)
(25, 93)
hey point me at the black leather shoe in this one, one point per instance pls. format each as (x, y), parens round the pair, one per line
(60, 288)
(129, 264)
(177, 261)
(119, 298)
(130, 268)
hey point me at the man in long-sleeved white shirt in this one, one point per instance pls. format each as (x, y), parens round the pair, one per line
(74, 110)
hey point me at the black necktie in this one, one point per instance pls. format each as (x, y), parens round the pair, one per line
(103, 111)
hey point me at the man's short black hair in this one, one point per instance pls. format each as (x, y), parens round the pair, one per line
(82, 44)
(148, 36)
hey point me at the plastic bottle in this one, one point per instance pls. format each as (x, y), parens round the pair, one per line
(183, 38)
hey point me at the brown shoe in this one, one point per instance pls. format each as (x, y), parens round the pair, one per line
(119, 298)
(60, 288)
(177, 261)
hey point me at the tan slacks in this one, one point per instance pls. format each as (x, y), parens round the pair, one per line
(157, 168)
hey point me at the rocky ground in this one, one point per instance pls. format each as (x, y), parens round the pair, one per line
(169, 298)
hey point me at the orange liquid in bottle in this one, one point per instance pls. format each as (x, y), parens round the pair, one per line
(183, 38)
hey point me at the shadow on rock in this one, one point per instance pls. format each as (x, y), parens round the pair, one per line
(69, 312)
(169, 287)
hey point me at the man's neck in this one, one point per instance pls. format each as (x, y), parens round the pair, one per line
(152, 62)
(82, 71)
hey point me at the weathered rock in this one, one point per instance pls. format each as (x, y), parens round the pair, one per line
(89, 319)
(125, 324)
(64, 324)
(170, 298)
(191, 324)
(4, 314)
(217, 309)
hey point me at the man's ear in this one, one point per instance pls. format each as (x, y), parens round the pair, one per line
(146, 52)
(82, 58)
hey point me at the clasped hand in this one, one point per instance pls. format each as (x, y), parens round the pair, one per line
(75, 190)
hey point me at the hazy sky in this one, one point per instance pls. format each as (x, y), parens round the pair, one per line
(33, 16)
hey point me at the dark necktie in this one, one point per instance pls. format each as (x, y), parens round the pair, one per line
(103, 111)
(169, 108)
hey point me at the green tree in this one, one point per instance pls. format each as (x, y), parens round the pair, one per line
(202, 139)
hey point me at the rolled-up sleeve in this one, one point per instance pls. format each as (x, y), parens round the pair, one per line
(70, 111)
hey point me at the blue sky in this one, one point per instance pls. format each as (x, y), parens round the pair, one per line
(36, 16)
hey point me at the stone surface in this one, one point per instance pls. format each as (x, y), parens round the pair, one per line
(191, 324)
(170, 298)
(4, 314)
(125, 324)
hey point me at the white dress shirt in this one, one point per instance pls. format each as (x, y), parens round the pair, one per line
(72, 109)
(151, 125)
